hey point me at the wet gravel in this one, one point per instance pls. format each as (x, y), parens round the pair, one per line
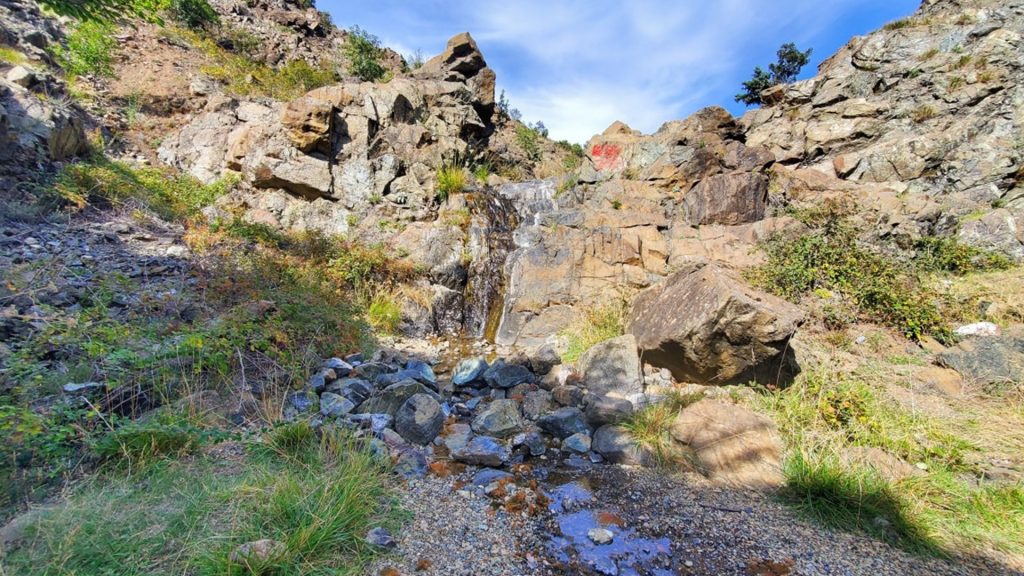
(662, 525)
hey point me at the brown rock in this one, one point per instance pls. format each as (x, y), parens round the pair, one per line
(728, 199)
(733, 445)
(307, 121)
(706, 325)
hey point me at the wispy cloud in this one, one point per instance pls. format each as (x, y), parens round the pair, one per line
(580, 65)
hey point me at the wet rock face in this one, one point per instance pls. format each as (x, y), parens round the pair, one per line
(706, 325)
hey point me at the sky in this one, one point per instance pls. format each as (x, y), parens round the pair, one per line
(580, 65)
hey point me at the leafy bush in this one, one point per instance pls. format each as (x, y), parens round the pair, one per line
(363, 52)
(528, 140)
(948, 254)
(451, 179)
(194, 14)
(833, 259)
(89, 50)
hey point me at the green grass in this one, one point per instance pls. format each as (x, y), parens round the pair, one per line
(451, 180)
(11, 55)
(591, 327)
(106, 183)
(318, 496)
(385, 313)
(942, 509)
(89, 50)
(651, 427)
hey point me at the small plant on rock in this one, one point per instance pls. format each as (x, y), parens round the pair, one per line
(451, 179)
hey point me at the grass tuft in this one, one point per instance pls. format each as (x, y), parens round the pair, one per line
(593, 326)
(451, 180)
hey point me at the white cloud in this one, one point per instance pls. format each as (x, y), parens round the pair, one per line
(579, 65)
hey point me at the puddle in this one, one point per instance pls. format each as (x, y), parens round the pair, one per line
(627, 554)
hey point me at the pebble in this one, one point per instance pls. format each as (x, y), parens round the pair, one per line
(600, 535)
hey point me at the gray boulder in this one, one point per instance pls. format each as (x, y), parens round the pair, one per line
(989, 360)
(500, 419)
(334, 405)
(563, 422)
(483, 451)
(617, 445)
(707, 326)
(420, 419)
(578, 443)
(608, 410)
(613, 367)
(391, 399)
(504, 376)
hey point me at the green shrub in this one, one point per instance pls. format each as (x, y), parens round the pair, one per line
(528, 140)
(88, 50)
(103, 10)
(194, 14)
(363, 52)
(244, 76)
(451, 179)
(948, 254)
(832, 258)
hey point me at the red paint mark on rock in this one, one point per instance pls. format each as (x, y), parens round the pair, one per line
(606, 156)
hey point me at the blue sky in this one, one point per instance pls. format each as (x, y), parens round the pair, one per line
(580, 65)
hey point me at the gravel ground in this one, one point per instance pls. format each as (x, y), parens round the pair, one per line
(710, 530)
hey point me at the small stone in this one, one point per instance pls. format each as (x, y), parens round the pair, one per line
(600, 536)
(21, 76)
(334, 405)
(380, 538)
(85, 388)
(483, 451)
(578, 443)
(504, 376)
(257, 552)
(563, 422)
(468, 371)
(500, 419)
(977, 329)
(341, 368)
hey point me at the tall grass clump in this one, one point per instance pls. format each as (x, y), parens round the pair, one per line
(593, 326)
(451, 180)
(89, 50)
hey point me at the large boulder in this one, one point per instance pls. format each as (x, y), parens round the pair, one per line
(483, 451)
(733, 445)
(612, 368)
(707, 326)
(563, 422)
(617, 445)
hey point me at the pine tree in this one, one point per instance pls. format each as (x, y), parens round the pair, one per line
(790, 61)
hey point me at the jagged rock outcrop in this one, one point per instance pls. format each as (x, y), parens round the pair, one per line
(356, 144)
(930, 105)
